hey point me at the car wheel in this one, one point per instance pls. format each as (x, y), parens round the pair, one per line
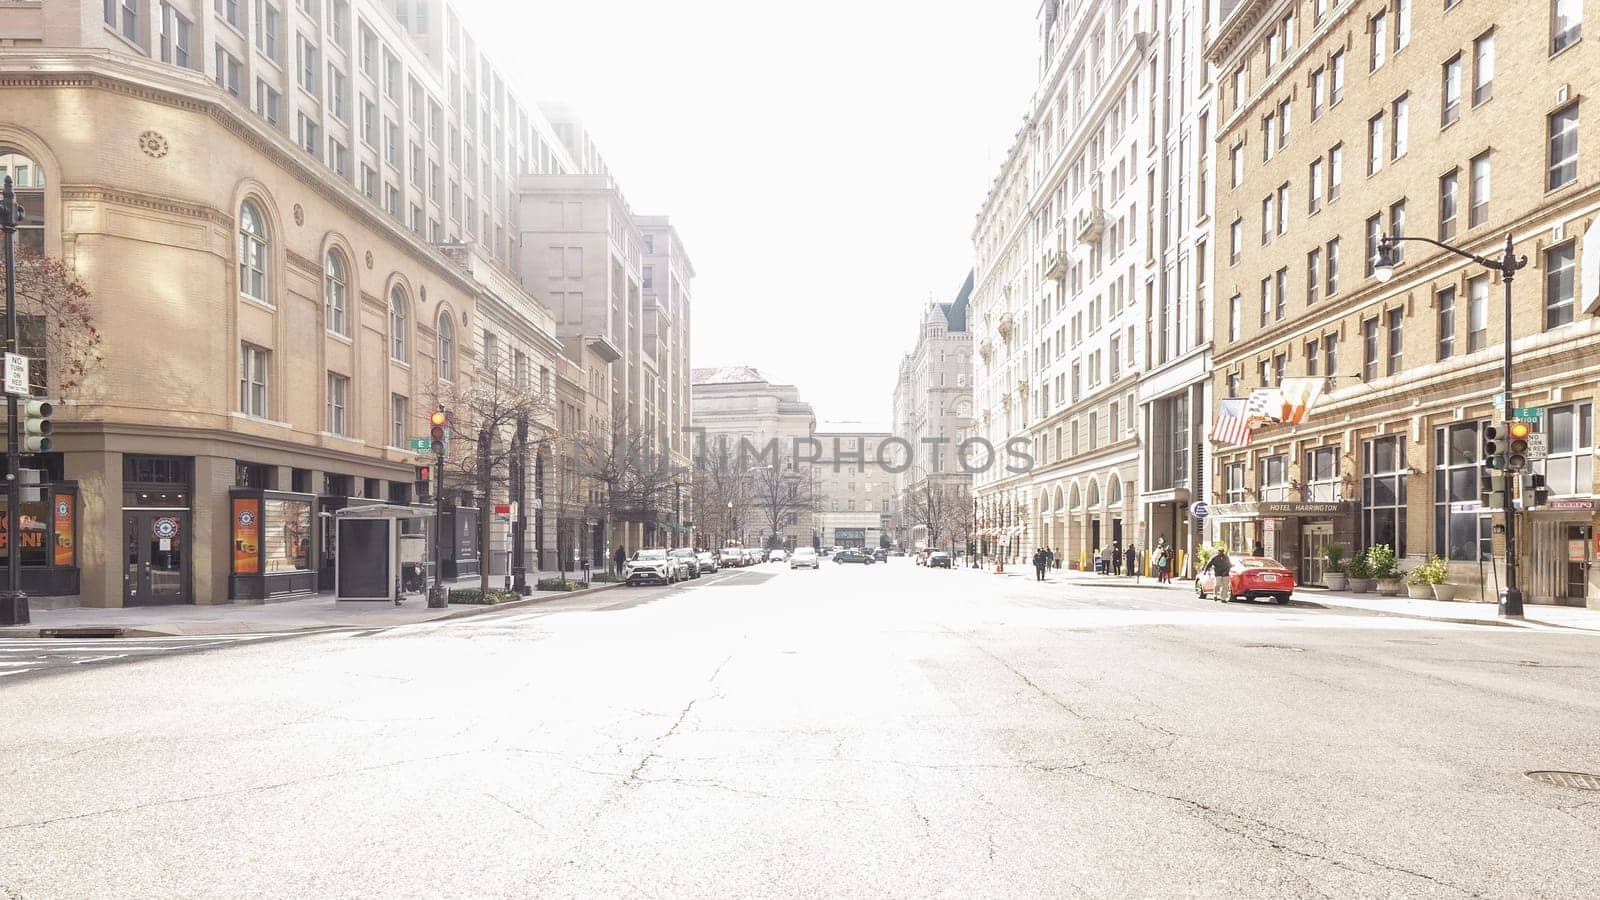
(1282, 599)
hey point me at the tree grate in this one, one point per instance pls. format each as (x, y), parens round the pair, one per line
(1582, 781)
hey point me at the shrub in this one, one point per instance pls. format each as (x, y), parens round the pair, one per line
(1434, 571)
(1333, 554)
(1381, 562)
(479, 598)
(606, 578)
(557, 584)
(1359, 568)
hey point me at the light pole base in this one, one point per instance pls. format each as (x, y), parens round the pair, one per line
(1511, 602)
(436, 597)
(13, 608)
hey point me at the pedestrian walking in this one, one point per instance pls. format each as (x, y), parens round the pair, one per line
(1161, 564)
(1049, 558)
(1038, 564)
(1132, 559)
(621, 558)
(1221, 565)
(1116, 557)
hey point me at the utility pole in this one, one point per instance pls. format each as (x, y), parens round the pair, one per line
(436, 594)
(13, 603)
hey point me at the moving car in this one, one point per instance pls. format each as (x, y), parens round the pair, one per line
(939, 559)
(1254, 578)
(652, 567)
(688, 559)
(852, 555)
(804, 556)
(708, 561)
(777, 555)
(731, 557)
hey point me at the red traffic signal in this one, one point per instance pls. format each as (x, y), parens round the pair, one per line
(424, 473)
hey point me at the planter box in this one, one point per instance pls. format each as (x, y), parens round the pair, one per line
(1389, 587)
(1419, 591)
(1336, 581)
(1361, 585)
(1445, 591)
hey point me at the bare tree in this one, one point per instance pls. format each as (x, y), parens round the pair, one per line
(944, 508)
(780, 495)
(56, 327)
(490, 421)
(638, 479)
(721, 494)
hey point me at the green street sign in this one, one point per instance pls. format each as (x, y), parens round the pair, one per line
(1527, 413)
(422, 445)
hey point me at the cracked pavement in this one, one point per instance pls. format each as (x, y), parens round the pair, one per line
(884, 730)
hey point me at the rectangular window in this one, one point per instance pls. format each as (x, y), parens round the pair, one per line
(391, 149)
(1313, 274)
(1444, 303)
(1268, 216)
(1312, 358)
(306, 55)
(229, 11)
(1322, 475)
(1563, 130)
(369, 122)
(1374, 144)
(1569, 469)
(1236, 241)
(253, 381)
(1383, 493)
(369, 182)
(267, 29)
(1336, 80)
(1236, 163)
(1369, 349)
(1478, 197)
(1459, 532)
(1268, 128)
(1374, 234)
(416, 165)
(398, 420)
(1396, 329)
(338, 158)
(1483, 67)
(1274, 478)
(267, 102)
(337, 92)
(1266, 300)
(310, 139)
(229, 72)
(1566, 24)
(1314, 182)
(1451, 91)
(1402, 23)
(1319, 79)
(1235, 316)
(338, 404)
(1448, 191)
(1284, 117)
(369, 52)
(1332, 286)
(1335, 171)
(1330, 357)
(175, 36)
(1397, 227)
(1402, 126)
(1559, 284)
(1477, 313)
(1378, 43)
(1280, 295)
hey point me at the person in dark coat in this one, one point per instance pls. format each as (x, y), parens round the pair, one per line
(1131, 559)
(1116, 557)
(622, 559)
(1038, 564)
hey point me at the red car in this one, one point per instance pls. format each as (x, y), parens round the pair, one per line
(1254, 578)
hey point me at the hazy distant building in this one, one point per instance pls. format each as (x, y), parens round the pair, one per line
(853, 489)
(737, 409)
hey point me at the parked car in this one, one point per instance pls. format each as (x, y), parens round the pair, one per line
(777, 554)
(708, 561)
(652, 567)
(881, 555)
(939, 559)
(1254, 578)
(731, 557)
(751, 556)
(688, 559)
(852, 555)
(803, 557)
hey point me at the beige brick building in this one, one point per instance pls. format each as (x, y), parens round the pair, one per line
(1340, 122)
(300, 224)
(853, 485)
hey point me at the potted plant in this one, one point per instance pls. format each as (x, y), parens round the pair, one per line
(1385, 569)
(1333, 569)
(1360, 574)
(1437, 571)
(1417, 585)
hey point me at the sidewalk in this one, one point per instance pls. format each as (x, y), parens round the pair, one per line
(301, 614)
(1465, 612)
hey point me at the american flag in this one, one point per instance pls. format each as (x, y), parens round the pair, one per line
(1232, 425)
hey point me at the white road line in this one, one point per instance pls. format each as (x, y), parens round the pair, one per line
(91, 659)
(18, 672)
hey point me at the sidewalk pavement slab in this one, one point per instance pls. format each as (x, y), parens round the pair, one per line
(301, 614)
(1460, 612)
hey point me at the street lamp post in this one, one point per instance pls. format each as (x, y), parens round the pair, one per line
(1507, 265)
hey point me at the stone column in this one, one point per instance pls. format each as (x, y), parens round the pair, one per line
(100, 538)
(210, 530)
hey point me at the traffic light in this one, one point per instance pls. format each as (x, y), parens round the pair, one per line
(424, 482)
(1517, 445)
(1492, 490)
(437, 422)
(1536, 493)
(1493, 453)
(36, 427)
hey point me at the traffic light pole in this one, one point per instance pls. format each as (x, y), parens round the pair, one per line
(13, 602)
(437, 598)
(1507, 265)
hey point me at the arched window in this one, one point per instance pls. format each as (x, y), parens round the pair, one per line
(447, 347)
(28, 181)
(1094, 494)
(252, 252)
(1114, 492)
(399, 318)
(336, 293)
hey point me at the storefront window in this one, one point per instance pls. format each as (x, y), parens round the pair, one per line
(1569, 470)
(1383, 493)
(1460, 531)
(285, 536)
(35, 531)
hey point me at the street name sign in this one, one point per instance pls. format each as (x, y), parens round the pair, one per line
(1527, 413)
(422, 445)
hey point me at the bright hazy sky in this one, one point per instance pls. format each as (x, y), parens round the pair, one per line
(823, 161)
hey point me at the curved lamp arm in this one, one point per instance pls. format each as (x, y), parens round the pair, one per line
(1506, 265)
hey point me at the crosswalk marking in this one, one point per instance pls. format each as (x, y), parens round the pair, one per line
(20, 656)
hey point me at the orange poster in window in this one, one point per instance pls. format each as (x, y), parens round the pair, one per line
(246, 536)
(66, 553)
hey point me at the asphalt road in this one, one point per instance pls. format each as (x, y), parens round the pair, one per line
(883, 730)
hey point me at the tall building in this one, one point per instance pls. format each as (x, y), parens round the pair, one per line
(1084, 282)
(320, 201)
(852, 488)
(933, 413)
(751, 431)
(1456, 122)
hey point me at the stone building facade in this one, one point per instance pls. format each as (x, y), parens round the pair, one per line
(1338, 124)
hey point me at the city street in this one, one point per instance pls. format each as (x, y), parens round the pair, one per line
(856, 730)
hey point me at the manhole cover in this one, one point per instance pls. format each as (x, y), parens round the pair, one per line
(1583, 781)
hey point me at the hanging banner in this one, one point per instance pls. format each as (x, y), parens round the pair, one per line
(246, 536)
(65, 515)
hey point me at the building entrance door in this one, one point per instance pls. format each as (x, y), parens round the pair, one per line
(1580, 550)
(1313, 537)
(155, 557)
